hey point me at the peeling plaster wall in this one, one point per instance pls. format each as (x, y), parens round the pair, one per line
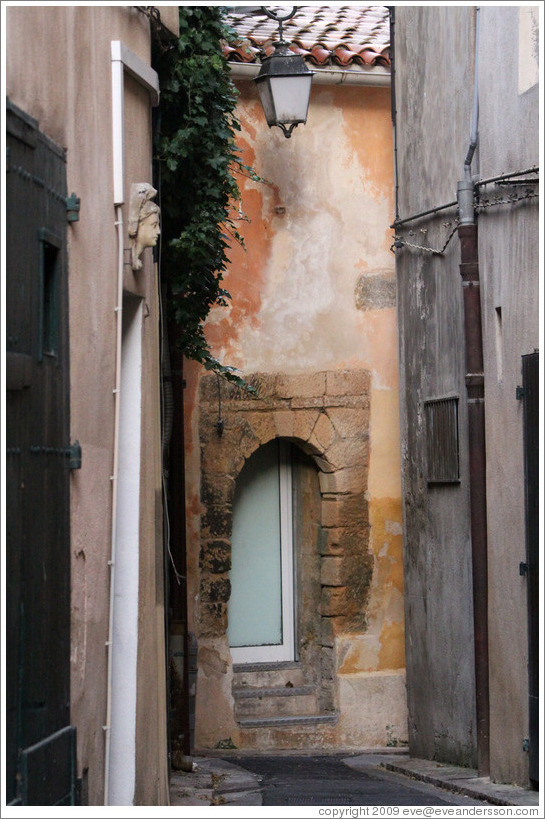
(315, 291)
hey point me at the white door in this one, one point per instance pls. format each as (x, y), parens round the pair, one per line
(261, 618)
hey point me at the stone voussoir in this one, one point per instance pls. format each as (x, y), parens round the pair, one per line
(349, 422)
(323, 434)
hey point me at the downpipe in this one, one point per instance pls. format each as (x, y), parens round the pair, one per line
(474, 380)
(114, 480)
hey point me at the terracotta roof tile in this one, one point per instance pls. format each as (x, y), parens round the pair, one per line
(347, 36)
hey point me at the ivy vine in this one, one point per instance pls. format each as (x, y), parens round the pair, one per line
(197, 164)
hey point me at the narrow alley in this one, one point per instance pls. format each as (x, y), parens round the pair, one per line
(293, 779)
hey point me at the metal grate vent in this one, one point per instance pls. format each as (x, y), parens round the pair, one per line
(442, 449)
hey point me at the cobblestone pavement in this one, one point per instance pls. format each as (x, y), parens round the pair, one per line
(297, 778)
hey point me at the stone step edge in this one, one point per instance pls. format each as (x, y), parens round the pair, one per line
(281, 722)
(243, 668)
(283, 691)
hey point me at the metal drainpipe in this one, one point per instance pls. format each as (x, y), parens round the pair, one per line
(469, 270)
(474, 378)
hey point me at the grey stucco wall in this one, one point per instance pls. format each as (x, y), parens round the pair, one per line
(509, 265)
(434, 68)
(434, 49)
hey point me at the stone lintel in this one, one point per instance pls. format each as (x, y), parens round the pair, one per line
(307, 403)
(301, 386)
(348, 382)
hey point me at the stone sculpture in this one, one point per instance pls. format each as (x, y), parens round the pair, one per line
(144, 223)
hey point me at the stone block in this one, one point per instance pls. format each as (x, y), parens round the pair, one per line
(284, 422)
(331, 571)
(316, 401)
(347, 382)
(208, 388)
(352, 480)
(245, 404)
(301, 386)
(217, 489)
(215, 588)
(212, 662)
(331, 513)
(345, 511)
(328, 631)
(327, 662)
(323, 434)
(350, 422)
(323, 464)
(376, 291)
(242, 436)
(208, 427)
(333, 601)
(361, 401)
(348, 452)
(329, 542)
(260, 384)
(355, 510)
(327, 696)
(266, 384)
(213, 619)
(215, 556)
(305, 420)
(221, 457)
(262, 424)
(217, 522)
(328, 482)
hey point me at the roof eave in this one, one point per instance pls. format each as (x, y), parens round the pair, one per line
(377, 76)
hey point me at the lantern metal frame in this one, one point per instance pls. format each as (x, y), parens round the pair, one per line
(282, 63)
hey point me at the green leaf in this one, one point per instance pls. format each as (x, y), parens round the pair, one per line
(197, 162)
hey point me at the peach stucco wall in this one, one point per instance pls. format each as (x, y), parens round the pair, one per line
(317, 229)
(58, 70)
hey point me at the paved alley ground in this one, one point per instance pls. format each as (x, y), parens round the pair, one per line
(339, 779)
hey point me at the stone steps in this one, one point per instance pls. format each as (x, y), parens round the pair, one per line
(265, 675)
(276, 696)
(280, 702)
(283, 722)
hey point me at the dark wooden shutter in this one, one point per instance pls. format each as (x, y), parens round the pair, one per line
(442, 447)
(40, 743)
(530, 394)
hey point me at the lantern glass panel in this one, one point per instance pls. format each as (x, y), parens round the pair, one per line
(290, 98)
(267, 103)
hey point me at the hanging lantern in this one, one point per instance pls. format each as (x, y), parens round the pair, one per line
(283, 84)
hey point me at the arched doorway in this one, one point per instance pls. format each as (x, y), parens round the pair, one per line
(323, 420)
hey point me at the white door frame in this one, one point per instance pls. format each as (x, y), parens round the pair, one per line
(284, 651)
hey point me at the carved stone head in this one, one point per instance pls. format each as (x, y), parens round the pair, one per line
(144, 223)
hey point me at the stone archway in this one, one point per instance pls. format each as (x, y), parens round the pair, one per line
(327, 415)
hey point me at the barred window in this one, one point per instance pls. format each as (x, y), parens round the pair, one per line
(441, 416)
